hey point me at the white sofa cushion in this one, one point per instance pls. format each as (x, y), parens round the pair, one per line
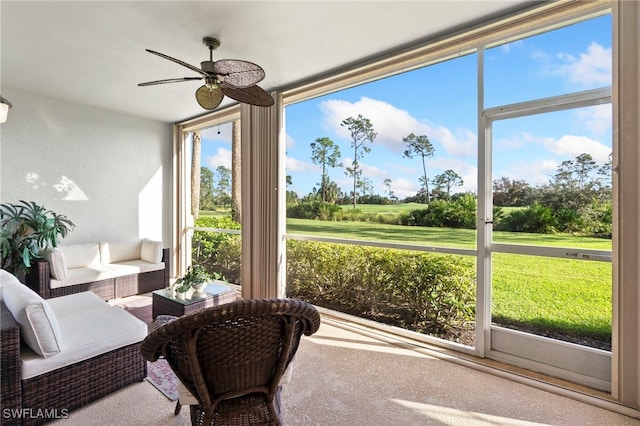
(81, 255)
(134, 267)
(84, 275)
(57, 264)
(38, 323)
(119, 251)
(91, 327)
(151, 251)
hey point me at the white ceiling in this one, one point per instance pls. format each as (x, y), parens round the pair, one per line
(94, 52)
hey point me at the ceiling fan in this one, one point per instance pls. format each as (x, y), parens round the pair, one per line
(233, 78)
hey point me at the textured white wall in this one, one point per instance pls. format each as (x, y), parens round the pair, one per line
(108, 172)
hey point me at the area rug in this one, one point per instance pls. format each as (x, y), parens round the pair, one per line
(160, 375)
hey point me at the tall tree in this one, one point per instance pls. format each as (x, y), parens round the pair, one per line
(325, 153)
(196, 141)
(420, 146)
(361, 131)
(236, 172)
(387, 184)
(207, 201)
(447, 180)
(223, 187)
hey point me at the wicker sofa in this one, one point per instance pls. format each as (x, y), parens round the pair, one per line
(60, 354)
(109, 269)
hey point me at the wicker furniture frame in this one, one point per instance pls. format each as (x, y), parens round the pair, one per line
(39, 278)
(65, 389)
(232, 357)
(166, 305)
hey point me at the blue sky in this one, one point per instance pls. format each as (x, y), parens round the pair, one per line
(440, 101)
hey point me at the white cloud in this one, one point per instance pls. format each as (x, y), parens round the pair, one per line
(536, 173)
(290, 141)
(222, 158)
(516, 141)
(392, 124)
(403, 188)
(571, 146)
(295, 165)
(597, 119)
(590, 69)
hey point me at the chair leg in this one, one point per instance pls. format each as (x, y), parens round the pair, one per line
(178, 408)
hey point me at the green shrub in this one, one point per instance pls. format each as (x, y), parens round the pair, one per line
(206, 245)
(313, 210)
(457, 213)
(423, 292)
(535, 218)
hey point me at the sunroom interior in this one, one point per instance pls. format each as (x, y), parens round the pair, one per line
(83, 140)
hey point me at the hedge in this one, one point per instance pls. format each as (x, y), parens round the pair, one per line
(424, 292)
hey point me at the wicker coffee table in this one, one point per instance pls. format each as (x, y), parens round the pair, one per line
(214, 294)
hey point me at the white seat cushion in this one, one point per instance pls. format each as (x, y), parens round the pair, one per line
(38, 323)
(84, 275)
(134, 267)
(91, 327)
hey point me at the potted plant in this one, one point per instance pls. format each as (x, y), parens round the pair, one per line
(27, 230)
(196, 278)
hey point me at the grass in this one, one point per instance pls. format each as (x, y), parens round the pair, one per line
(569, 297)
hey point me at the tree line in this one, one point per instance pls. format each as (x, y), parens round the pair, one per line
(326, 154)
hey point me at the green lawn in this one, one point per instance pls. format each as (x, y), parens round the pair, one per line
(570, 297)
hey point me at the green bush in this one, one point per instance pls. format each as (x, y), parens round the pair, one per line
(313, 210)
(206, 245)
(535, 218)
(423, 292)
(457, 213)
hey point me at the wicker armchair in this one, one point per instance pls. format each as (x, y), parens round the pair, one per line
(231, 357)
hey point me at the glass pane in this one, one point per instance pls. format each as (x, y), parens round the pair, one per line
(373, 180)
(552, 179)
(427, 293)
(561, 61)
(563, 299)
(216, 206)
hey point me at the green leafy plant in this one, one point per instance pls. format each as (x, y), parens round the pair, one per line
(196, 274)
(27, 230)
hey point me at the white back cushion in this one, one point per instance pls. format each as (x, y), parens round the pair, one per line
(81, 255)
(119, 251)
(151, 251)
(38, 323)
(57, 264)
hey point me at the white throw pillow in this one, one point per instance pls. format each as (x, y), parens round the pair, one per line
(38, 323)
(151, 251)
(57, 264)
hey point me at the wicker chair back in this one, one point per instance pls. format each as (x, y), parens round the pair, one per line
(231, 357)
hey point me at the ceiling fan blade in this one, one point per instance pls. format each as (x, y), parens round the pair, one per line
(238, 73)
(170, 80)
(209, 98)
(253, 95)
(178, 61)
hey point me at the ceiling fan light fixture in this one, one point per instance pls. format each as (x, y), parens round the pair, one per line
(4, 109)
(231, 77)
(209, 97)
